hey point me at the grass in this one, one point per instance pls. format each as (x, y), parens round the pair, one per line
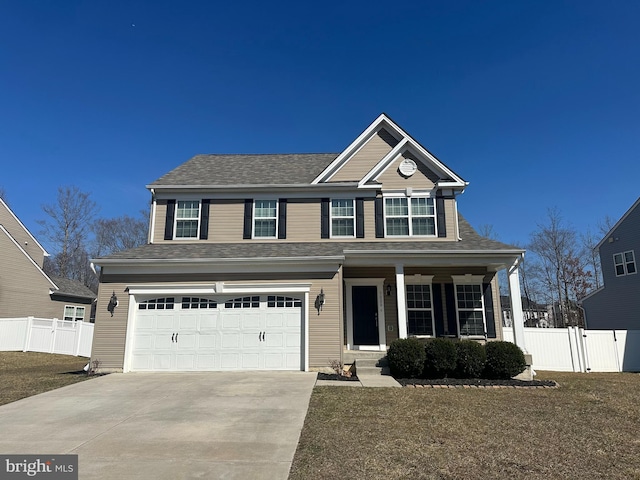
(589, 427)
(23, 374)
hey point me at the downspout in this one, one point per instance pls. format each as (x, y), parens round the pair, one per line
(152, 220)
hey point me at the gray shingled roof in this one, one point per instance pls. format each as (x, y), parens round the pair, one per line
(265, 169)
(72, 288)
(471, 241)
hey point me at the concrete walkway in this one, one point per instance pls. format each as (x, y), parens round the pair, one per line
(167, 426)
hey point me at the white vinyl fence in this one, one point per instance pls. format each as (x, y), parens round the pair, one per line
(575, 349)
(46, 335)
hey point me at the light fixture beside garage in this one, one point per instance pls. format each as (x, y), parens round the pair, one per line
(113, 303)
(319, 301)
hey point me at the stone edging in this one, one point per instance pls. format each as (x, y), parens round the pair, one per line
(483, 386)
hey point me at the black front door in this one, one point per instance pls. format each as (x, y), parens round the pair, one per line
(365, 315)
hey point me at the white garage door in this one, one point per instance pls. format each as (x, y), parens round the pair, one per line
(260, 332)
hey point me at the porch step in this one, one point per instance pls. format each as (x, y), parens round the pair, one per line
(350, 356)
(368, 363)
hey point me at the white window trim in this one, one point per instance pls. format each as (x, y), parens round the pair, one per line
(176, 219)
(469, 280)
(75, 313)
(421, 280)
(253, 219)
(409, 217)
(331, 217)
(624, 263)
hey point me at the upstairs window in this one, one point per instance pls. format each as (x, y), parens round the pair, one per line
(73, 313)
(405, 217)
(343, 218)
(265, 219)
(187, 218)
(625, 263)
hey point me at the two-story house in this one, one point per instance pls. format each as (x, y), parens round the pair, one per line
(25, 289)
(287, 261)
(616, 305)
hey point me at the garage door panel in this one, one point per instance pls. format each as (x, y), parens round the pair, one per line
(253, 337)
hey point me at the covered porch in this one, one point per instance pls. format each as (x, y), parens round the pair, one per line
(390, 295)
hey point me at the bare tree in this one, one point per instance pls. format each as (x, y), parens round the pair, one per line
(559, 269)
(119, 233)
(592, 256)
(67, 228)
(486, 230)
(605, 225)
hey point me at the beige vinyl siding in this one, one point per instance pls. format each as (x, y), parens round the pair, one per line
(366, 158)
(17, 231)
(226, 220)
(24, 291)
(109, 334)
(303, 220)
(450, 219)
(423, 178)
(160, 220)
(497, 308)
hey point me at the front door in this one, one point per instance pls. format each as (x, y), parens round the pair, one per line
(365, 314)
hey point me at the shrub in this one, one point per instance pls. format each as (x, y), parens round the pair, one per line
(471, 359)
(504, 360)
(406, 358)
(440, 358)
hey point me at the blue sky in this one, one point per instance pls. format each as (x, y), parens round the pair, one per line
(535, 103)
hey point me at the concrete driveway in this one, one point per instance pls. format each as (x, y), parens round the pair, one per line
(167, 426)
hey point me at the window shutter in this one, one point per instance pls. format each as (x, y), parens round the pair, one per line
(440, 217)
(168, 224)
(204, 219)
(379, 208)
(282, 218)
(450, 298)
(248, 218)
(359, 217)
(488, 311)
(438, 314)
(324, 218)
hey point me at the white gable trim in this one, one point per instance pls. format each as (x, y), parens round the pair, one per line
(405, 142)
(22, 250)
(23, 227)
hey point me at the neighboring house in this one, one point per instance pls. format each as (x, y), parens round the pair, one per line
(616, 305)
(535, 314)
(25, 289)
(287, 261)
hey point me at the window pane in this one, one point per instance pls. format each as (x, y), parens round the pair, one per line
(617, 258)
(471, 323)
(418, 296)
(631, 267)
(628, 256)
(422, 206)
(190, 209)
(342, 208)
(619, 269)
(419, 322)
(342, 227)
(79, 313)
(423, 226)
(397, 226)
(265, 209)
(187, 229)
(396, 206)
(469, 296)
(265, 228)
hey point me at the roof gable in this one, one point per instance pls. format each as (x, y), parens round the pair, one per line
(618, 223)
(384, 127)
(18, 231)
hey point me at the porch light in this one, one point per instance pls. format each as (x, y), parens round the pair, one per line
(388, 289)
(319, 301)
(113, 303)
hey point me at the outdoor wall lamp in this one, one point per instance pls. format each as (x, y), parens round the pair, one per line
(388, 290)
(113, 303)
(319, 301)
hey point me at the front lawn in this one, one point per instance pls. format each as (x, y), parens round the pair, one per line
(587, 428)
(23, 374)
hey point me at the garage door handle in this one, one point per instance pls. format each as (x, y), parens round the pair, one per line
(264, 334)
(172, 339)
(176, 338)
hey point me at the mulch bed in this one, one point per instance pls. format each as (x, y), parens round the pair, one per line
(474, 382)
(335, 376)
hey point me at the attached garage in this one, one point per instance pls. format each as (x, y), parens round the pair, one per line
(195, 332)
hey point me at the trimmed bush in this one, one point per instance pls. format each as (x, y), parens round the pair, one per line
(471, 359)
(406, 358)
(504, 360)
(440, 358)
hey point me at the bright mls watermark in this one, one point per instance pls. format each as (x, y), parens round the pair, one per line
(52, 467)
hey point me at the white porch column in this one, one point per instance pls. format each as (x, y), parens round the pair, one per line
(402, 302)
(517, 318)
